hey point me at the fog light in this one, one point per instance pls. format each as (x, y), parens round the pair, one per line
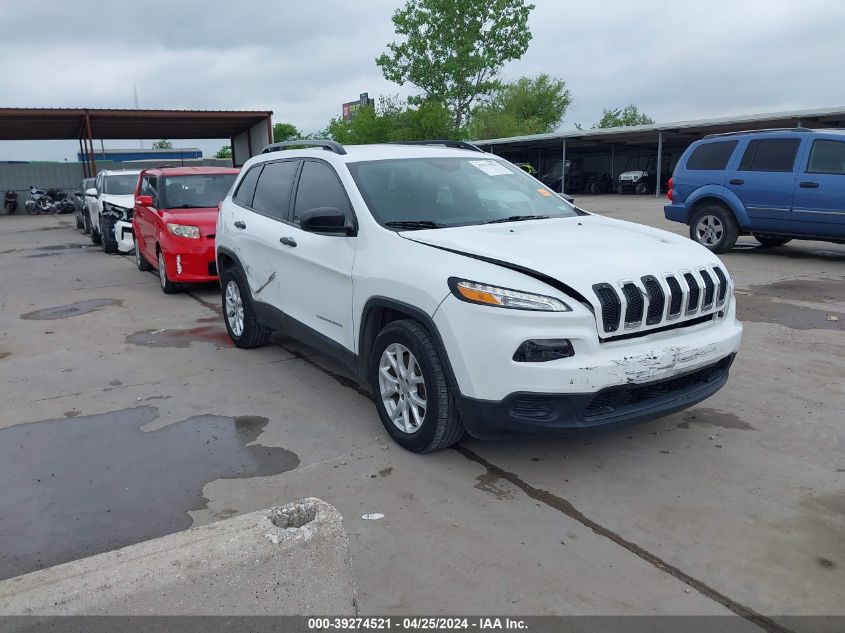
(542, 350)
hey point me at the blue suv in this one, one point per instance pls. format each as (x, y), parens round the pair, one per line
(776, 185)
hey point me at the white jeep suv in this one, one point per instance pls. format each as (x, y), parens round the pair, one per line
(469, 295)
(111, 202)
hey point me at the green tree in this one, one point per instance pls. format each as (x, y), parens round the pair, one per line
(162, 144)
(285, 132)
(393, 119)
(224, 152)
(453, 50)
(529, 105)
(620, 117)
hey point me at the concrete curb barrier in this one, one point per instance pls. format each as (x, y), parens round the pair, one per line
(288, 560)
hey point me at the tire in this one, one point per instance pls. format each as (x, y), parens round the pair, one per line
(96, 238)
(141, 261)
(87, 224)
(246, 332)
(771, 240)
(642, 188)
(409, 344)
(620, 190)
(107, 239)
(167, 286)
(80, 224)
(714, 227)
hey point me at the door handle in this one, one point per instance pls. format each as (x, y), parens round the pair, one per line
(809, 185)
(737, 181)
(288, 241)
(240, 225)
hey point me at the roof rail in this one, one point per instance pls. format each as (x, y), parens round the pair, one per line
(326, 144)
(444, 143)
(771, 129)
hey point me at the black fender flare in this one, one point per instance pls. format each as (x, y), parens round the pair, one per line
(368, 332)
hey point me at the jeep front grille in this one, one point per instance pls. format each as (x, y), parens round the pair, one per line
(633, 307)
(611, 308)
(655, 300)
(634, 311)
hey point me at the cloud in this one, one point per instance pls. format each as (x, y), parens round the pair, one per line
(676, 60)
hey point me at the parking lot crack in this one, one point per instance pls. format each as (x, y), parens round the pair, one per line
(565, 507)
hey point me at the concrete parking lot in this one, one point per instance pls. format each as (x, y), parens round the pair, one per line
(127, 414)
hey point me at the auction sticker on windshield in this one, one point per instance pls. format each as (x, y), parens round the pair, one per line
(491, 167)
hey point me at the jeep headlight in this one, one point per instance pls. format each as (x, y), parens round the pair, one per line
(183, 230)
(474, 292)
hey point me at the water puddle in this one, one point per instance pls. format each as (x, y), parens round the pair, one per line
(74, 487)
(181, 337)
(70, 310)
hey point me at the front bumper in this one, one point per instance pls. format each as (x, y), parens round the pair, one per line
(480, 342)
(556, 414)
(125, 236)
(189, 260)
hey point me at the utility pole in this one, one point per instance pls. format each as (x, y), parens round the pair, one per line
(135, 94)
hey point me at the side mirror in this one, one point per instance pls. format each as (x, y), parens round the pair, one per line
(144, 201)
(91, 192)
(326, 220)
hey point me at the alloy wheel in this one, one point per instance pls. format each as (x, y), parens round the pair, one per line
(234, 308)
(402, 388)
(709, 230)
(162, 271)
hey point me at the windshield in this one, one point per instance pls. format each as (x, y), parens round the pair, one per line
(120, 184)
(443, 192)
(202, 191)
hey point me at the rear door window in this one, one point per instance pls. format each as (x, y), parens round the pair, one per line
(246, 189)
(827, 157)
(272, 193)
(711, 156)
(775, 154)
(319, 186)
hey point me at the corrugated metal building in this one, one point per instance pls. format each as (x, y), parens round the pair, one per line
(614, 150)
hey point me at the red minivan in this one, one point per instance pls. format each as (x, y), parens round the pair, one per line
(175, 220)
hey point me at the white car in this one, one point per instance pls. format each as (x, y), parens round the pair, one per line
(469, 295)
(110, 204)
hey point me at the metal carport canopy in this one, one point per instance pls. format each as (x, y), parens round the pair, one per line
(87, 124)
(687, 131)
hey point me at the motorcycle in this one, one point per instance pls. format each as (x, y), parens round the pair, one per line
(65, 205)
(11, 202)
(50, 201)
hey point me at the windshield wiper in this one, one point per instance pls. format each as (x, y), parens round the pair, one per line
(414, 224)
(517, 218)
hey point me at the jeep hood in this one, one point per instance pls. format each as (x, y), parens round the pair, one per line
(636, 172)
(578, 251)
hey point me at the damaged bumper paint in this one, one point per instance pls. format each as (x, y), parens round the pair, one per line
(604, 383)
(125, 236)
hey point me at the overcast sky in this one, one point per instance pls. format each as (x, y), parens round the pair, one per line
(676, 60)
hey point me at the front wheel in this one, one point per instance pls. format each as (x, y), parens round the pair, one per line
(167, 286)
(715, 228)
(412, 395)
(107, 237)
(642, 188)
(241, 322)
(771, 240)
(86, 221)
(80, 224)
